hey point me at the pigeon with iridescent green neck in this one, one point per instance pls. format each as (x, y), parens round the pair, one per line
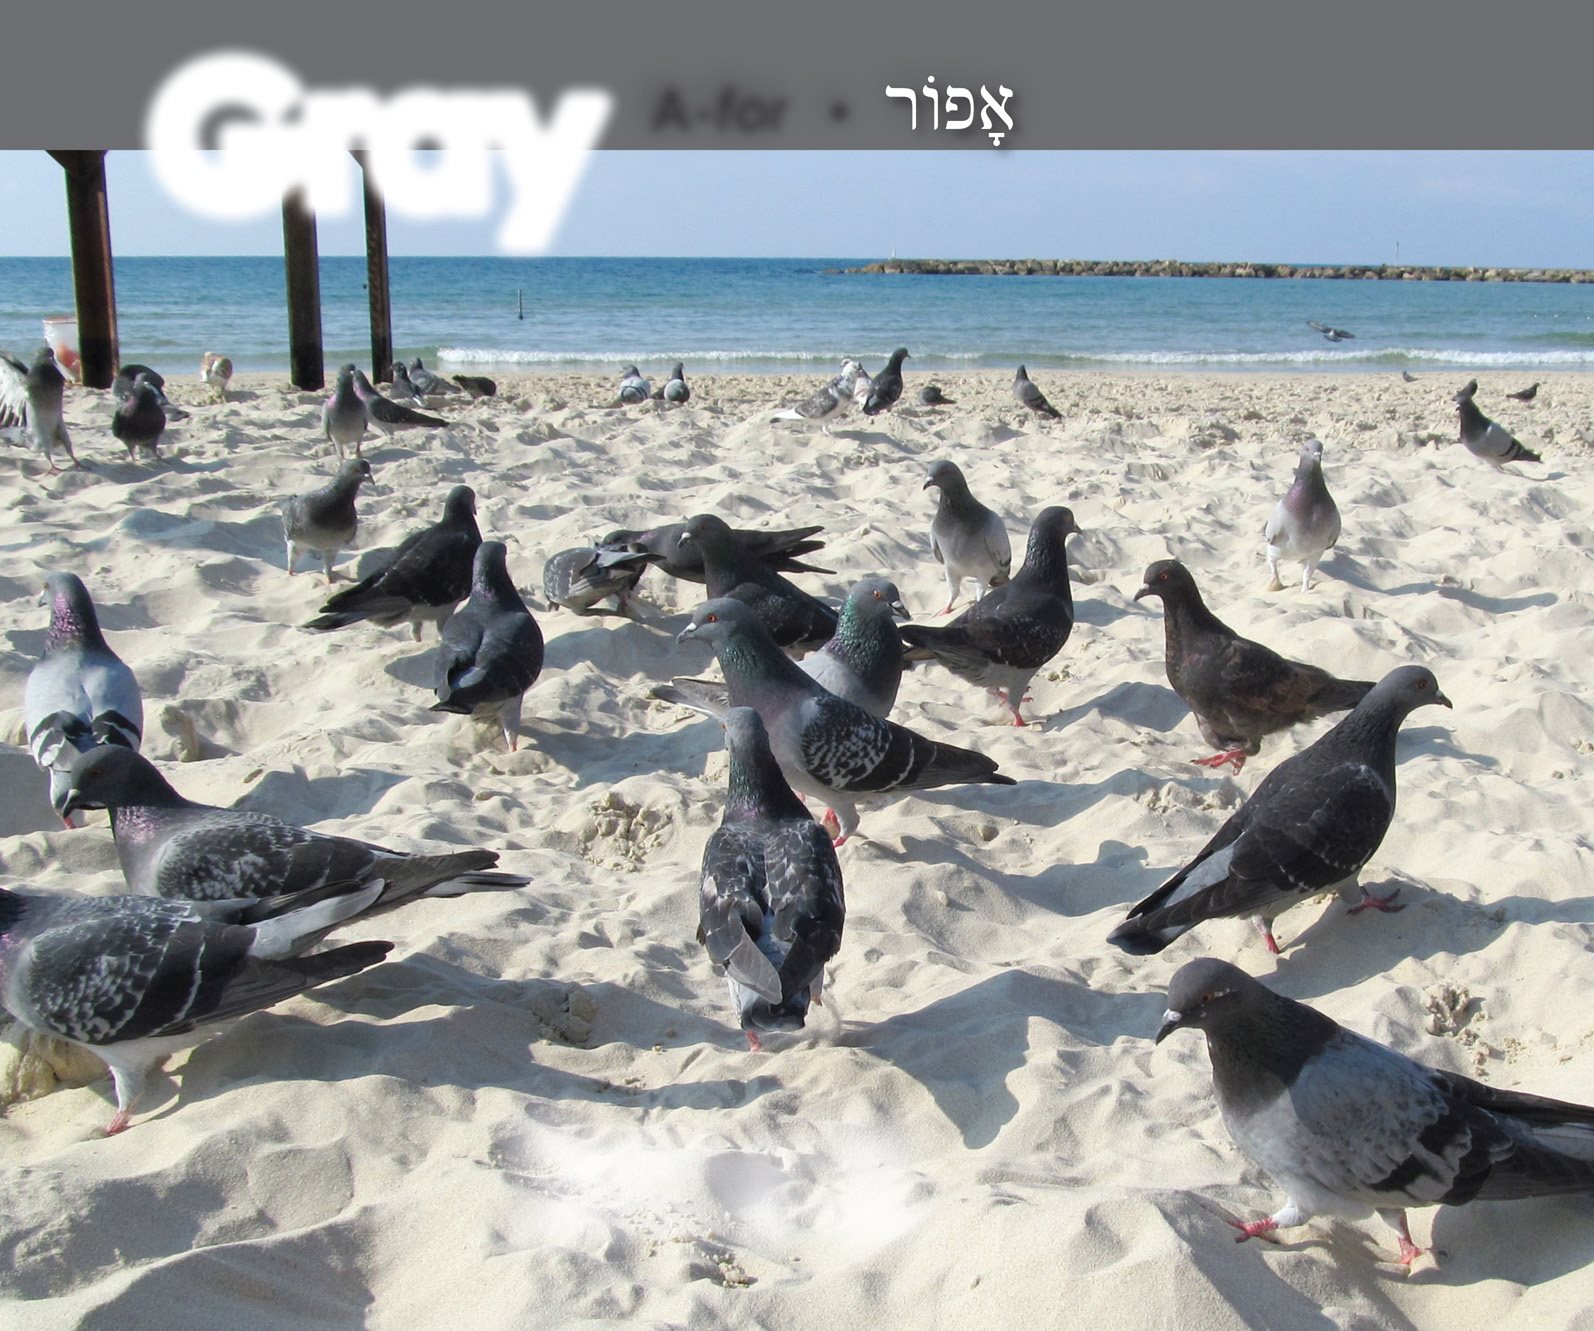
(863, 662)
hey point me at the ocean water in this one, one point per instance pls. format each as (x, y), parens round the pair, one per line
(796, 315)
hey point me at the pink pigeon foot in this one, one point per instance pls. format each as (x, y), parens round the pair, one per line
(118, 1123)
(754, 1043)
(1235, 756)
(1254, 1229)
(1386, 905)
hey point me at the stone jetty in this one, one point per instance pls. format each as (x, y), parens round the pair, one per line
(1179, 268)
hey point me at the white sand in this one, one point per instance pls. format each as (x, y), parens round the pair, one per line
(540, 1113)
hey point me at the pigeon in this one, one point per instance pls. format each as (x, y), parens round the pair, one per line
(830, 403)
(80, 695)
(1408, 376)
(1347, 1126)
(1310, 826)
(577, 579)
(1305, 522)
(968, 539)
(771, 905)
(827, 747)
(1332, 334)
(217, 372)
(1001, 640)
(343, 419)
(1032, 397)
(171, 847)
(324, 520)
(1483, 438)
(886, 387)
(778, 550)
(124, 385)
(793, 617)
(477, 385)
(403, 390)
(675, 390)
(633, 387)
(491, 651)
(133, 980)
(33, 397)
(863, 662)
(428, 575)
(431, 385)
(140, 419)
(388, 416)
(1526, 394)
(932, 396)
(1239, 690)
(862, 387)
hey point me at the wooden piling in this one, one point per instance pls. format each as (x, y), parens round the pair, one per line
(303, 263)
(94, 283)
(376, 275)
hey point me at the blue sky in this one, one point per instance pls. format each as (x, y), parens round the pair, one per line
(1507, 209)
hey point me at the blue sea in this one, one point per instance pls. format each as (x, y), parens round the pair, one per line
(799, 315)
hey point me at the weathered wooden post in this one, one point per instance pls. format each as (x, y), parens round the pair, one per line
(89, 221)
(302, 260)
(376, 275)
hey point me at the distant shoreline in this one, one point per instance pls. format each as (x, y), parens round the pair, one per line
(1180, 268)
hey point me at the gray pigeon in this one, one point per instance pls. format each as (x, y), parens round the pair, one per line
(124, 385)
(863, 662)
(133, 980)
(80, 695)
(1305, 523)
(1331, 333)
(33, 397)
(932, 396)
(491, 651)
(1347, 1126)
(1030, 396)
(1239, 690)
(778, 550)
(216, 371)
(1001, 640)
(1309, 827)
(140, 419)
(633, 387)
(827, 747)
(675, 389)
(324, 520)
(577, 579)
(886, 387)
(1485, 439)
(343, 419)
(968, 539)
(431, 385)
(862, 386)
(171, 847)
(477, 385)
(428, 575)
(403, 390)
(1525, 394)
(390, 417)
(830, 403)
(793, 617)
(771, 906)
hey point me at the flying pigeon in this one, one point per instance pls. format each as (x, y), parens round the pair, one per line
(431, 385)
(343, 419)
(140, 419)
(1305, 522)
(863, 662)
(1347, 1126)
(886, 387)
(133, 980)
(1310, 826)
(577, 579)
(1238, 690)
(428, 575)
(792, 616)
(80, 695)
(1001, 640)
(968, 539)
(827, 747)
(1525, 394)
(491, 651)
(1483, 438)
(388, 416)
(771, 903)
(778, 550)
(171, 847)
(324, 520)
(831, 402)
(33, 398)
(477, 385)
(633, 387)
(932, 396)
(675, 389)
(1332, 334)
(1032, 397)
(216, 371)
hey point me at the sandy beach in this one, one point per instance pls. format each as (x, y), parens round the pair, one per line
(540, 1112)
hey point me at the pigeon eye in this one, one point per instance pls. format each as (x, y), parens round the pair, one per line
(711, 619)
(878, 597)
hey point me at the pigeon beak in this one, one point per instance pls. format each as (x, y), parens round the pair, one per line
(927, 485)
(71, 804)
(690, 631)
(685, 538)
(1443, 701)
(900, 610)
(1143, 593)
(1171, 1021)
